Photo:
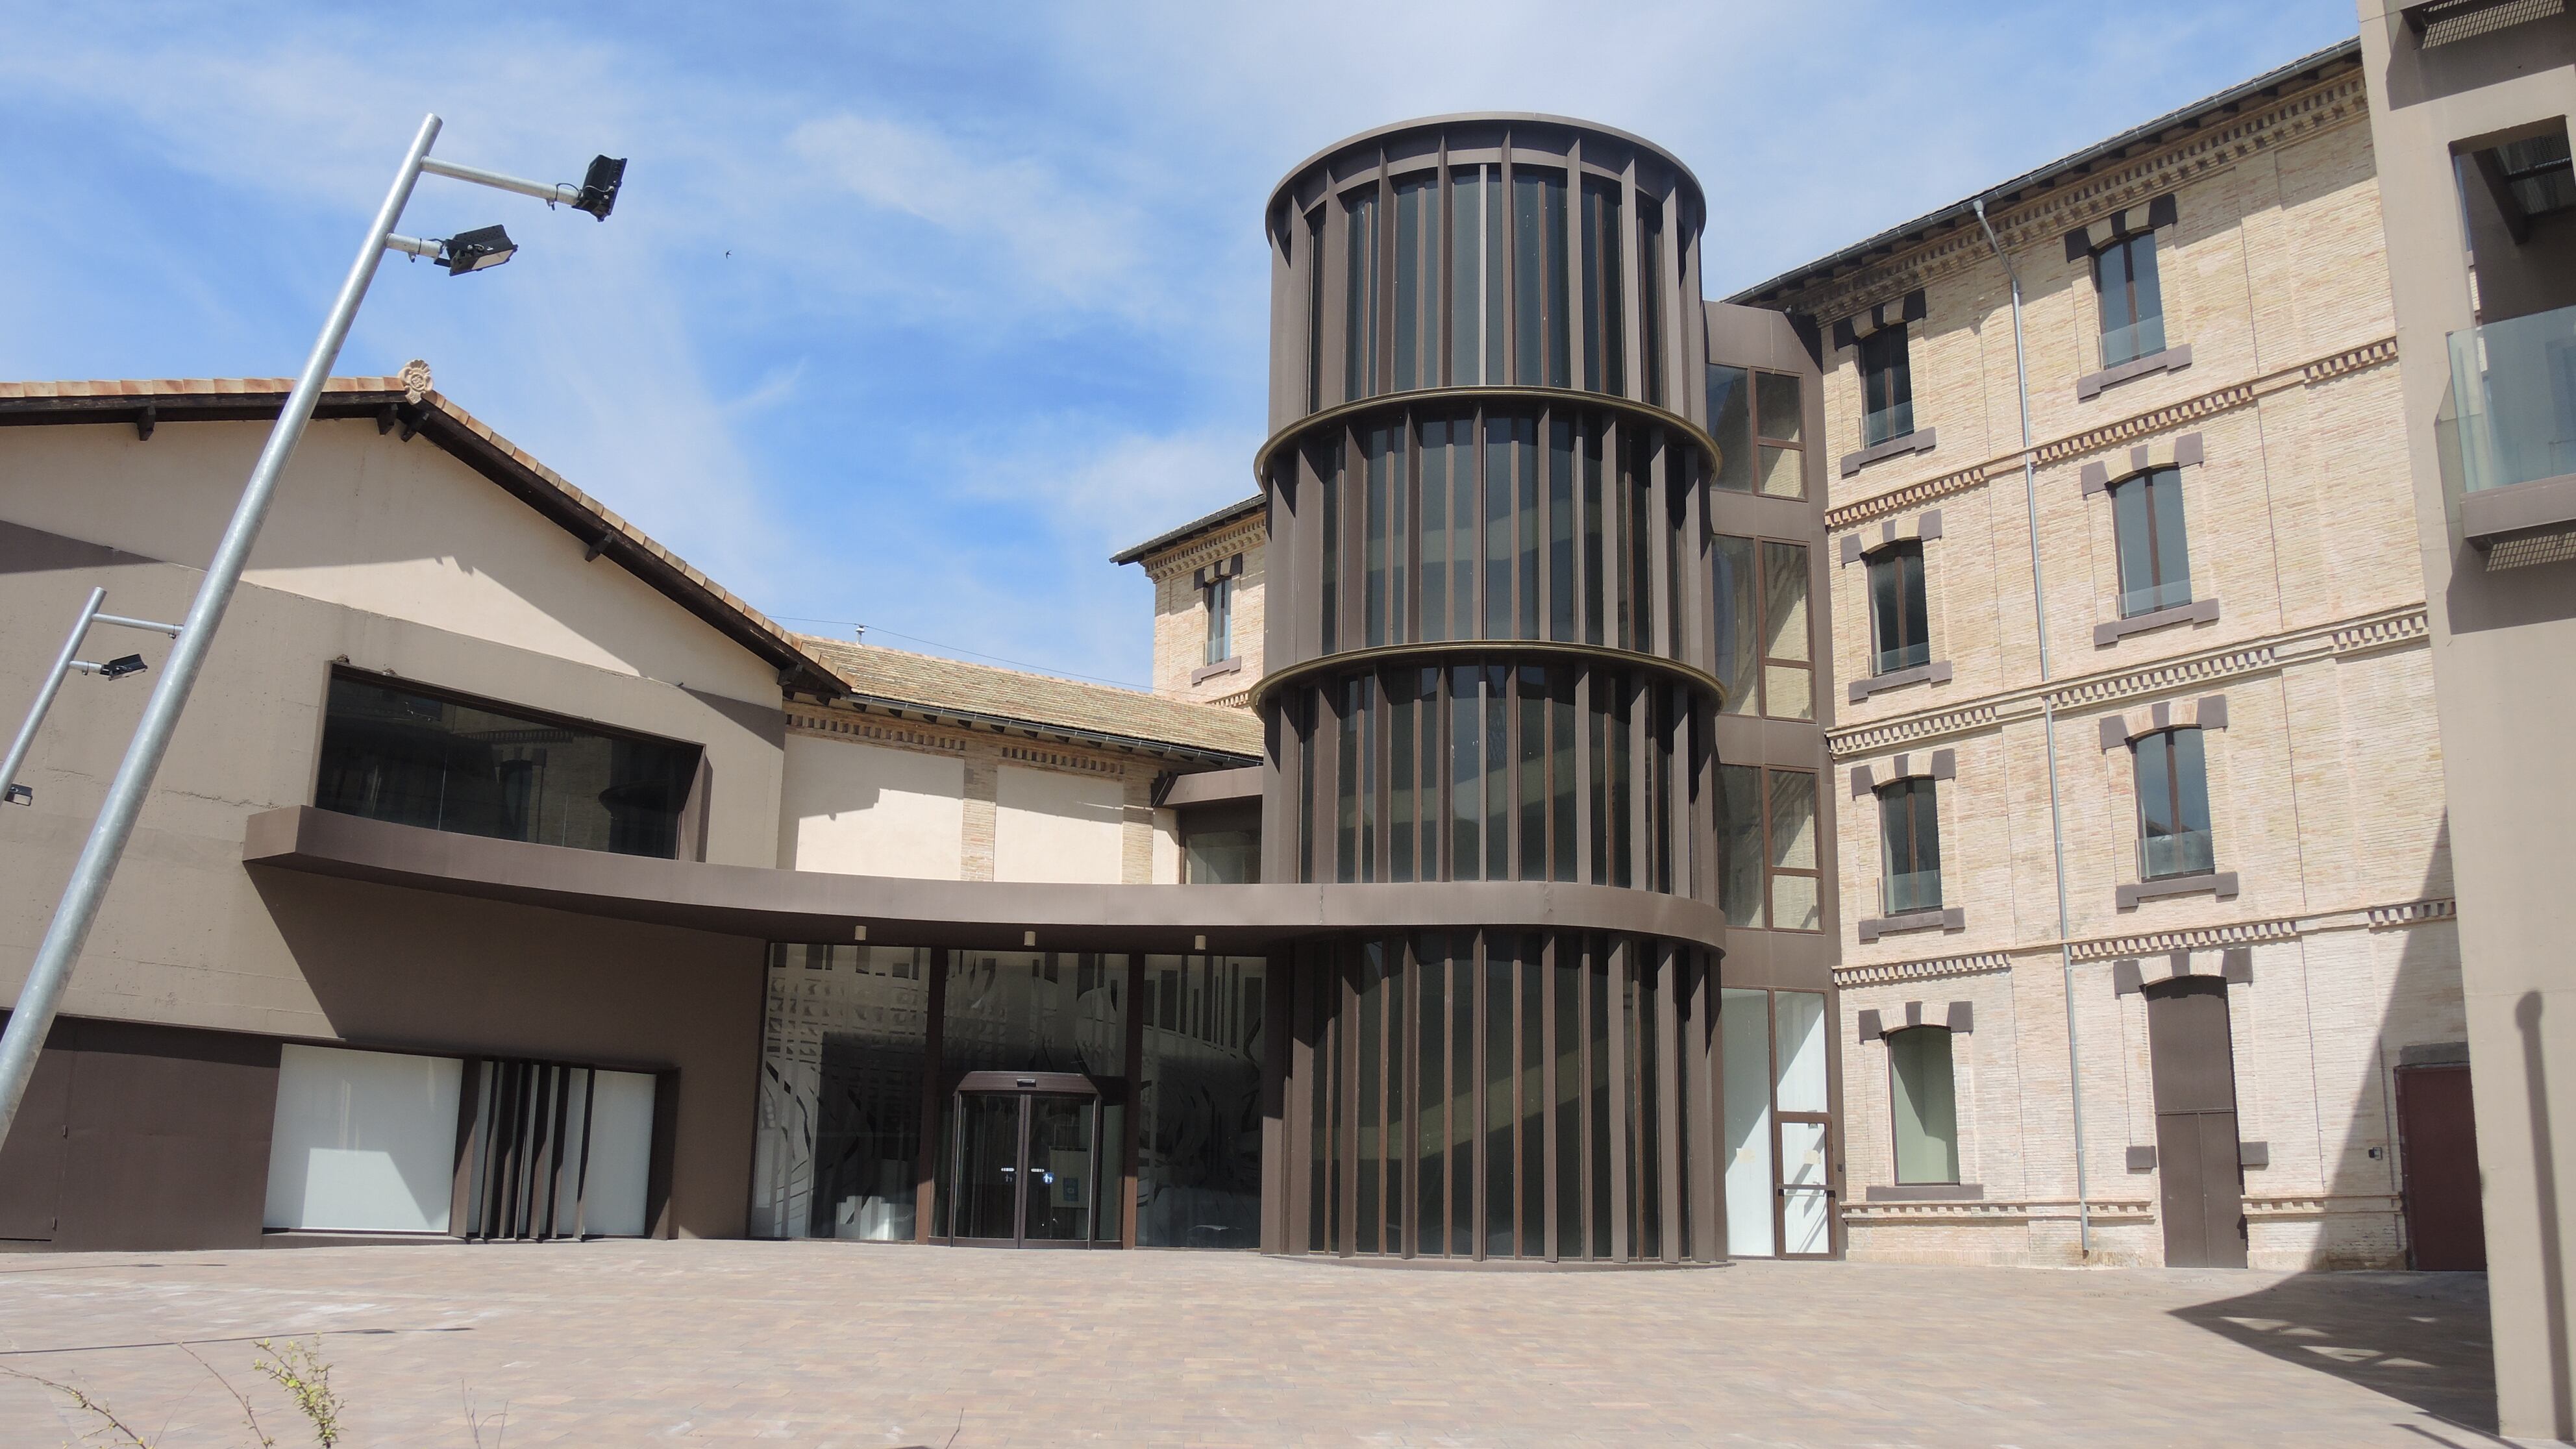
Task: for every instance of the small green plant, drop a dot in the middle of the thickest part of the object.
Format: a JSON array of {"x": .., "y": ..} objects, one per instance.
[
  {"x": 249, "y": 1415},
  {"x": 298, "y": 1368},
  {"x": 86, "y": 1403}
]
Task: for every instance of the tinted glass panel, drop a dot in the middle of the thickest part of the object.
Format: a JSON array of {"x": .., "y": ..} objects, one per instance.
[
  {"x": 1776, "y": 396},
  {"x": 400, "y": 755},
  {"x": 1925, "y": 1107},
  {"x": 1731, "y": 424},
  {"x": 1198, "y": 1136}
]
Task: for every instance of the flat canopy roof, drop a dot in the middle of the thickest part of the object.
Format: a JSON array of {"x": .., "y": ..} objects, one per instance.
[{"x": 800, "y": 905}]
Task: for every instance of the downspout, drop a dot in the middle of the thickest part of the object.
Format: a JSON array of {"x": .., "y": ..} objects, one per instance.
[{"x": 2048, "y": 726}]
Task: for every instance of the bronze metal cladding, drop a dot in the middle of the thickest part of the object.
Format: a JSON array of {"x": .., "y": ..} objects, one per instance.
[{"x": 1492, "y": 669}]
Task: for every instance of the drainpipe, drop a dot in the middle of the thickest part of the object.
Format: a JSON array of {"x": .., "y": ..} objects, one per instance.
[{"x": 2048, "y": 725}]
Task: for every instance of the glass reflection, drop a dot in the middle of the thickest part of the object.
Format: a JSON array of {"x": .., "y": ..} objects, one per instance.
[
  {"x": 839, "y": 1129},
  {"x": 1198, "y": 1135}
]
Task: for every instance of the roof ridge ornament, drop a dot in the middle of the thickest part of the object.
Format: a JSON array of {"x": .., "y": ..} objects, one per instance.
[{"x": 415, "y": 381}]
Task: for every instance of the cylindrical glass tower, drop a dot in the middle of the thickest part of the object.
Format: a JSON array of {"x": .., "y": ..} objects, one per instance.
[{"x": 1490, "y": 654}]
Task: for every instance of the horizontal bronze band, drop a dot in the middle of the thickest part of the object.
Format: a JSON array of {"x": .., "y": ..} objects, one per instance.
[
  {"x": 1438, "y": 398},
  {"x": 1602, "y": 655},
  {"x": 802, "y": 905}
]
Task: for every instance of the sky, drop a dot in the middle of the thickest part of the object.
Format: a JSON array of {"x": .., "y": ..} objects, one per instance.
[{"x": 911, "y": 315}]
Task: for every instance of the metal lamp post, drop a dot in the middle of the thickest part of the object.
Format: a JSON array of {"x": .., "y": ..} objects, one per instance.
[{"x": 78, "y": 910}]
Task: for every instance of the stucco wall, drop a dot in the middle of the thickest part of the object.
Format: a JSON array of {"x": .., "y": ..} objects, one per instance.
[
  {"x": 862, "y": 809},
  {"x": 1053, "y": 826}
]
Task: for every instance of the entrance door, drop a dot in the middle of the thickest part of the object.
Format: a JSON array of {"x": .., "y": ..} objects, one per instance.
[
  {"x": 2200, "y": 1181},
  {"x": 1806, "y": 1189},
  {"x": 2437, "y": 1146},
  {"x": 1025, "y": 1154}
]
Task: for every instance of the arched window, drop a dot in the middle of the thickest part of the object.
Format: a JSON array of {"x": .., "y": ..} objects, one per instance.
[{"x": 1924, "y": 1105}]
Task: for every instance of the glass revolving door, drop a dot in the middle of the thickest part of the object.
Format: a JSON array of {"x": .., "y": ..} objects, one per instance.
[{"x": 1025, "y": 1157}]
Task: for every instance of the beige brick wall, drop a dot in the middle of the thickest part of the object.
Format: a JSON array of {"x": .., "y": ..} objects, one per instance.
[
  {"x": 2325, "y": 786},
  {"x": 1180, "y": 613}
]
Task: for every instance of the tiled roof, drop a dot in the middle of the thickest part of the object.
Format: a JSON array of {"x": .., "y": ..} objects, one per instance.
[
  {"x": 1037, "y": 700},
  {"x": 410, "y": 400},
  {"x": 1225, "y": 515}
]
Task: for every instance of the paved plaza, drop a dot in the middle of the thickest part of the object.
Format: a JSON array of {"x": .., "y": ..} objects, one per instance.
[{"x": 870, "y": 1346}]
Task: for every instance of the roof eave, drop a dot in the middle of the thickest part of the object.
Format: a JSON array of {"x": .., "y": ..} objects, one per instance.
[
  {"x": 461, "y": 437},
  {"x": 1775, "y": 292},
  {"x": 1223, "y": 516}
]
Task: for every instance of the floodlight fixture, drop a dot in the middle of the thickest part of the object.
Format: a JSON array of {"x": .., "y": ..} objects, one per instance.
[
  {"x": 18, "y": 795},
  {"x": 477, "y": 250},
  {"x": 596, "y": 194},
  {"x": 599, "y": 188},
  {"x": 40, "y": 994}
]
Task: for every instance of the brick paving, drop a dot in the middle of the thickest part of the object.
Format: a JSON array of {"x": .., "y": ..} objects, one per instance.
[{"x": 874, "y": 1346}]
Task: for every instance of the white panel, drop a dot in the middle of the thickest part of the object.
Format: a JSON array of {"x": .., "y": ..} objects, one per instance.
[
  {"x": 1745, "y": 1024},
  {"x": 364, "y": 1141},
  {"x": 621, "y": 1150},
  {"x": 1057, "y": 827},
  {"x": 1805, "y": 1207},
  {"x": 1802, "y": 1051},
  {"x": 858, "y": 809}
]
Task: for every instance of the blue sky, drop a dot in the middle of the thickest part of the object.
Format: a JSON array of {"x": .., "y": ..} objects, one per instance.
[{"x": 913, "y": 314}]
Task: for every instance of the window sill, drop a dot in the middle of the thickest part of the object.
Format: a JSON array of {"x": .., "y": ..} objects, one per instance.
[
  {"x": 1222, "y": 666},
  {"x": 1918, "y": 441},
  {"x": 1936, "y": 672},
  {"x": 2198, "y": 611},
  {"x": 2172, "y": 359},
  {"x": 1953, "y": 919},
  {"x": 1927, "y": 1192},
  {"x": 2221, "y": 882}
]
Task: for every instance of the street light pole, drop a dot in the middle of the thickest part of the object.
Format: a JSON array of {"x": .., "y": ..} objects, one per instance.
[
  {"x": 464, "y": 252},
  {"x": 78, "y": 909}
]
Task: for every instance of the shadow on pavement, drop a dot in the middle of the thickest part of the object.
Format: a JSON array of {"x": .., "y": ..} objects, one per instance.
[{"x": 2417, "y": 1337}]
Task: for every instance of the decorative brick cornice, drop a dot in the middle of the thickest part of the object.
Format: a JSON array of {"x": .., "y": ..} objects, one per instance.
[
  {"x": 1984, "y": 963},
  {"x": 2311, "y": 373},
  {"x": 2193, "y": 938},
  {"x": 2403, "y": 626},
  {"x": 1899, "y": 1214},
  {"x": 2094, "y": 950},
  {"x": 1052, "y": 760},
  {"x": 2212, "y": 146},
  {"x": 851, "y": 725},
  {"x": 1243, "y": 535},
  {"x": 2413, "y": 913}
]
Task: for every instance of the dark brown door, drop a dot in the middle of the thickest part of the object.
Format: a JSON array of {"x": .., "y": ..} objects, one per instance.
[
  {"x": 31, "y": 1165},
  {"x": 2437, "y": 1148},
  {"x": 2199, "y": 1180}
]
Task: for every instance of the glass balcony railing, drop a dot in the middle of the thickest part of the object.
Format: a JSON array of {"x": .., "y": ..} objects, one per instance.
[
  {"x": 1902, "y": 657},
  {"x": 1913, "y": 890},
  {"x": 2153, "y": 597},
  {"x": 1893, "y": 421},
  {"x": 2513, "y": 384},
  {"x": 2128, "y": 344},
  {"x": 2184, "y": 852}
]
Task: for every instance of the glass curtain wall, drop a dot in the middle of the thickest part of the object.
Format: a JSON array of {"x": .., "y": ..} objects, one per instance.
[
  {"x": 839, "y": 1128},
  {"x": 397, "y": 753},
  {"x": 1198, "y": 1131},
  {"x": 1509, "y": 771},
  {"x": 1506, "y": 524},
  {"x": 1489, "y": 284},
  {"x": 1503, "y": 1095}
]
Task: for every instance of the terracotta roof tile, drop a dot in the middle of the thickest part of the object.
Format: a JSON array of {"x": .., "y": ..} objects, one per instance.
[{"x": 1036, "y": 699}]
